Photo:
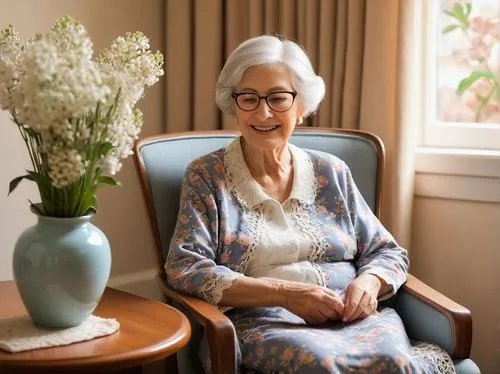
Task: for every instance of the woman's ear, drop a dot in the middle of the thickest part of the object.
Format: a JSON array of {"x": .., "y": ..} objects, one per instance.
[{"x": 300, "y": 118}]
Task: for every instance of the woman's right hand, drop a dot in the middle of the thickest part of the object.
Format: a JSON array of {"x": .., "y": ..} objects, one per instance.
[{"x": 314, "y": 304}]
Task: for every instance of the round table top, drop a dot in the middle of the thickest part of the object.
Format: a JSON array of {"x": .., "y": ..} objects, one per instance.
[{"x": 149, "y": 331}]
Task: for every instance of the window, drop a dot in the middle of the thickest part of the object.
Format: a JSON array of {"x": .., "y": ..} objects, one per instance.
[
  {"x": 462, "y": 68},
  {"x": 460, "y": 153}
]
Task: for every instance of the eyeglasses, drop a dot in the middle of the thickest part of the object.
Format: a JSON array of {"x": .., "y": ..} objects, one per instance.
[{"x": 276, "y": 101}]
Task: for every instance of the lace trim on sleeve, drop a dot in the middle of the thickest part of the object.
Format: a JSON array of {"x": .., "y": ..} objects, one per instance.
[
  {"x": 212, "y": 290},
  {"x": 388, "y": 280}
]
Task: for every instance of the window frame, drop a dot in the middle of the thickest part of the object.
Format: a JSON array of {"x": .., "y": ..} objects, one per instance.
[
  {"x": 437, "y": 134},
  {"x": 455, "y": 161}
]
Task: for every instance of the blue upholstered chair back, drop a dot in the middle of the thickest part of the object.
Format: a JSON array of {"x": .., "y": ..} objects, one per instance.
[{"x": 165, "y": 159}]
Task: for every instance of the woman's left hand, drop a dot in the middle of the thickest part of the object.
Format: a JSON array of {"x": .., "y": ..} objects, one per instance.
[{"x": 360, "y": 297}]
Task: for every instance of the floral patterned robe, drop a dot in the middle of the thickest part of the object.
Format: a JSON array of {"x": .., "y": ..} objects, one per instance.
[{"x": 221, "y": 225}]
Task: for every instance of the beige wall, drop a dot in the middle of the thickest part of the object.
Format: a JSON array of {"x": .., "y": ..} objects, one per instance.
[
  {"x": 455, "y": 243},
  {"x": 456, "y": 250},
  {"x": 121, "y": 216}
]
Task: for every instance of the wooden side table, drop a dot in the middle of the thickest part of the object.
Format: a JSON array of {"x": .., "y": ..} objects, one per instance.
[{"x": 149, "y": 331}]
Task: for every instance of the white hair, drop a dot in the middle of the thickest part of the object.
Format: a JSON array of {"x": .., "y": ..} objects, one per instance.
[{"x": 268, "y": 49}]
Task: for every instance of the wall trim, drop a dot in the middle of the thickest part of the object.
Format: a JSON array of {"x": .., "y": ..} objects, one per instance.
[
  {"x": 454, "y": 161},
  {"x": 141, "y": 283},
  {"x": 458, "y": 174},
  {"x": 129, "y": 278},
  {"x": 456, "y": 187}
]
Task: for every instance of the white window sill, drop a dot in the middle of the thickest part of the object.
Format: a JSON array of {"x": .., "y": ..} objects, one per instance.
[{"x": 463, "y": 174}]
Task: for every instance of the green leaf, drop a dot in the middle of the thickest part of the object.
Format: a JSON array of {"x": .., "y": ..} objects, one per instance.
[
  {"x": 458, "y": 10},
  {"x": 48, "y": 193},
  {"x": 468, "y": 11},
  {"x": 92, "y": 207},
  {"x": 88, "y": 200},
  {"x": 449, "y": 29},
  {"x": 103, "y": 149},
  {"x": 97, "y": 112},
  {"x": 103, "y": 179},
  {"x": 91, "y": 210},
  {"x": 496, "y": 93},
  {"x": 42, "y": 181},
  {"x": 35, "y": 208},
  {"x": 452, "y": 15},
  {"x": 14, "y": 182},
  {"x": 473, "y": 77},
  {"x": 484, "y": 100}
]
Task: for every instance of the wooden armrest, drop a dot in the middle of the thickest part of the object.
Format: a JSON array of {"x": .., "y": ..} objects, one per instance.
[
  {"x": 459, "y": 317},
  {"x": 220, "y": 330}
]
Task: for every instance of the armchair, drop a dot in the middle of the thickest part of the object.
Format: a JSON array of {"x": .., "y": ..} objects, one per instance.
[{"x": 160, "y": 163}]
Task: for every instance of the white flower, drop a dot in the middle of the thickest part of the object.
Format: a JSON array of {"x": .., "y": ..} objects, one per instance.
[
  {"x": 111, "y": 164},
  {"x": 11, "y": 45},
  {"x": 65, "y": 166},
  {"x": 128, "y": 67},
  {"x": 75, "y": 112},
  {"x": 60, "y": 81}
]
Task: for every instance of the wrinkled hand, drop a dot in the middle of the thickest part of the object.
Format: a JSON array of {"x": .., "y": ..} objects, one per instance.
[
  {"x": 314, "y": 304},
  {"x": 360, "y": 297}
]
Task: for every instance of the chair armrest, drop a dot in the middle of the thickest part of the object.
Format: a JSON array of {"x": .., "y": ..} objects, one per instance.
[
  {"x": 219, "y": 328},
  {"x": 428, "y": 315}
]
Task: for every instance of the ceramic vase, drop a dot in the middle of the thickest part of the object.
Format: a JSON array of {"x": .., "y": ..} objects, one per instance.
[{"x": 61, "y": 268}]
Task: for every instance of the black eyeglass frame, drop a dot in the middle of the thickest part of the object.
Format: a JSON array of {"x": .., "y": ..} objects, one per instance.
[{"x": 236, "y": 95}]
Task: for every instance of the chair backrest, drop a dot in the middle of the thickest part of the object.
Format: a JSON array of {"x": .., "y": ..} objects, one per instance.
[{"x": 161, "y": 161}]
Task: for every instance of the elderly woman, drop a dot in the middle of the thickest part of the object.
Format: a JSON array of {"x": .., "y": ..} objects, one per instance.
[{"x": 281, "y": 239}]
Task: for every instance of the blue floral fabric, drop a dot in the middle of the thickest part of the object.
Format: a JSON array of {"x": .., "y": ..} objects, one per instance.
[
  {"x": 275, "y": 340},
  {"x": 218, "y": 228}
]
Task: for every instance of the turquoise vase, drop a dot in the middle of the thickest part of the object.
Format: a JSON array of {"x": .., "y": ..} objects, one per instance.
[{"x": 61, "y": 268}]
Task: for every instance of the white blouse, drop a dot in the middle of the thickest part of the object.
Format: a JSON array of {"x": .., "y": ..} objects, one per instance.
[{"x": 283, "y": 247}]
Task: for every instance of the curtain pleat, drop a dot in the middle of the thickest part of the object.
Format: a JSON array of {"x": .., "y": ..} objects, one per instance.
[
  {"x": 359, "y": 47},
  {"x": 390, "y": 101},
  {"x": 237, "y": 21},
  {"x": 178, "y": 61},
  {"x": 286, "y": 18},
  {"x": 326, "y": 55},
  {"x": 207, "y": 62},
  {"x": 256, "y": 19},
  {"x": 202, "y": 33},
  {"x": 353, "y": 63}
]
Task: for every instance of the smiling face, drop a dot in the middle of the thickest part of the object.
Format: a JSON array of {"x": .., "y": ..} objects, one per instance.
[{"x": 263, "y": 128}]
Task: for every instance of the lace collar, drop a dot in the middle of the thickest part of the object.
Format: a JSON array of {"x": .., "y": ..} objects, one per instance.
[{"x": 250, "y": 193}]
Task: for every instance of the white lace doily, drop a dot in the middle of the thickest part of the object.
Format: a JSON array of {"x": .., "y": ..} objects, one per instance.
[
  {"x": 19, "y": 334},
  {"x": 436, "y": 355}
]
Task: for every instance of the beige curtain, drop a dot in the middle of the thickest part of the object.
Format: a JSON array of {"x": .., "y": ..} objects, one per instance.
[
  {"x": 201, "y": 33},
  {"x": 360, "y": 48},
  {"x": 390, "y": 101}
]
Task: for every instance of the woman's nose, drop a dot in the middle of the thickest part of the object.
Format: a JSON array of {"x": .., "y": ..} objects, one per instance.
[{"x": 263, "y": 111}]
